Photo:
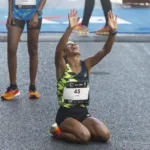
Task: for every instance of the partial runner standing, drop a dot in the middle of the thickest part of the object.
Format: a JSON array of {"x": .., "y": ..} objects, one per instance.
[
  {"x": 88, "y": 9},
  {"x": 20, "y": 13}
]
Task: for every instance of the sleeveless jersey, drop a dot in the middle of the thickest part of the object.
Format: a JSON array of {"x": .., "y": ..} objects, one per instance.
[{"x": 73, "y": 89}]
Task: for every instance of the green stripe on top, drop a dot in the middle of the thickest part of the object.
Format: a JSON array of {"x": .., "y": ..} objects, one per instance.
[{"x": 62, "y": 83}]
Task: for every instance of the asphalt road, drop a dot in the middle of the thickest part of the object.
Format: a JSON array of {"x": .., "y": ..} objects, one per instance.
[{"x": 119, "y": 96}]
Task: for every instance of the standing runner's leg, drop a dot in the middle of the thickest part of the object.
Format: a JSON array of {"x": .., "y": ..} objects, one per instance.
[
  {"x": 13, "y": 37},
  {"x": 33, "y": 36},
  {"x": 83, "y": 27},
  {"x": 88, "y": 9},
  {"x": 106, "y": 5}
]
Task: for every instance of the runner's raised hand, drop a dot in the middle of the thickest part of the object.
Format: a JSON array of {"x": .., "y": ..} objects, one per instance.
[
  {"x": 112, "y": 21},
  {"x": 73, "y": 19}
]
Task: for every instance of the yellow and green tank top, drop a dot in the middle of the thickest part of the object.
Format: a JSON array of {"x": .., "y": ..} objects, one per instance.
[{"x": 73, "y": 89}]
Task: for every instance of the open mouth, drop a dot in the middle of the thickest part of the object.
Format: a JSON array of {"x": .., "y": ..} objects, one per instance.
[{"x": 74, "y": 48}]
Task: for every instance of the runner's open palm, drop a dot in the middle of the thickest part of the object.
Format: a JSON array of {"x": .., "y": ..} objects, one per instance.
[
  {"x": 73, "y": 19},
  {"x": 112, "y": 21}
]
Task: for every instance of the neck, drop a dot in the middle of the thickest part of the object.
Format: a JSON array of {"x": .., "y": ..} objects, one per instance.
[{"x": 74, "y": 61}]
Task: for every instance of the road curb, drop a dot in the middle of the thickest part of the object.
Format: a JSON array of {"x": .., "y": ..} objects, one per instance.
[
  {"x": 3, "y": 37},
  {"x": 55, "y": 37}
]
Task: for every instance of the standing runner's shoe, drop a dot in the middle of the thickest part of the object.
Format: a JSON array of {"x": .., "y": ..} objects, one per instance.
[
  {"x": 55, "y": 130},
  {"x": 10, "y": 94},
  {"x": 81, "y": 30},
  {"x": 34, "y": 94},
  {"x": 103, "y": 31}
]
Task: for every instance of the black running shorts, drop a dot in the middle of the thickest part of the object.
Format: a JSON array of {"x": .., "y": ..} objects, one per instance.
[
  {"x": 21, "y": 24},
  {"x": 78, "y": 113}
]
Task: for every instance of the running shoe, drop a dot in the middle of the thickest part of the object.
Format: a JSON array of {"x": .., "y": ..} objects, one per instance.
[
  {"x": 55, "y": 130},
  {"x": 10, "y": 94},
  {"x": 34, "y": 94},
  {"x": 81, "y": 30},
  {"x": 103, "y": 31}
]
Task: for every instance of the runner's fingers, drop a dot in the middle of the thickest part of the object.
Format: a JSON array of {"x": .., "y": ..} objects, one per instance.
[
  {"x": 116, "y": 17},
  {"x": 30, "y": 22},
  {"x": 108, "y": 14},
  {"x": 75, "y": 13},
  {"x": 71, "y": 13},
  {"x": 13, "y": 20},
  {"x": 8, "y": 25},
  {"x": 34, "y": 24},
  {"x": 112, "y": 15}
]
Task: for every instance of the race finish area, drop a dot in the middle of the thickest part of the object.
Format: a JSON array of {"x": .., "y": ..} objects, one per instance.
[{"x": 130, "y": 20}]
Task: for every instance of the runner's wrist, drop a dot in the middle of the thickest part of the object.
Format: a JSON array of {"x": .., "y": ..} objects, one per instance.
[
  {"x": 69, "y": 28},
  {"x": 38, "y": 12},
  {"x": 113, "y": 32}
]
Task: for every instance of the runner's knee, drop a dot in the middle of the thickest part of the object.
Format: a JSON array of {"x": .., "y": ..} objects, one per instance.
[
  {"x": 106, "y": 135},
  {"x": 12, "y": 48},
  {"x": 68, "y": 126},
  {"x": 85, "y": 136}
]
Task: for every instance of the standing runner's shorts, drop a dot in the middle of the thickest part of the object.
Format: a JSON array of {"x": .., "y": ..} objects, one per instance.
[
  {"x": 21, "y": 24},
  {"x": 78, "y": 113}
]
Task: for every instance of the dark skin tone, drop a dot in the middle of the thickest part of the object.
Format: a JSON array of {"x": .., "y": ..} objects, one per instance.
[
  {"x": 73, "y": 130},
  {"x": 33, "y": 34}
]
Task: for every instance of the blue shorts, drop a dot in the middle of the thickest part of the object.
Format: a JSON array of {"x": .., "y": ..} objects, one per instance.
[{"x": 25, "y": 14}]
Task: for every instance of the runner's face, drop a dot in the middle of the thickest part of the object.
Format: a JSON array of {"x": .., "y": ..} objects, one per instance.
[{"x": 72, "y": 49}]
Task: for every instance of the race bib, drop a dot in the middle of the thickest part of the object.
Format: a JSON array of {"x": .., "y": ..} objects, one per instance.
[
  {"x": 76, "y": 93},
  {"x": 25, "y": 3}
]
